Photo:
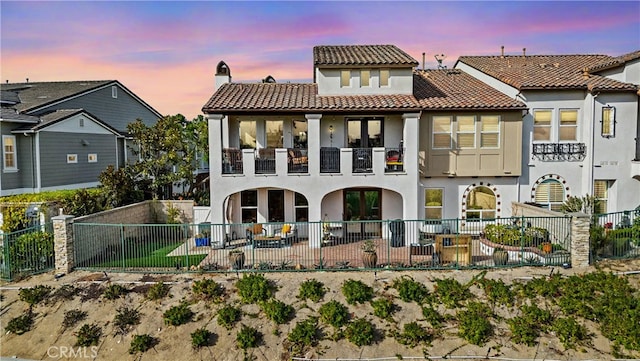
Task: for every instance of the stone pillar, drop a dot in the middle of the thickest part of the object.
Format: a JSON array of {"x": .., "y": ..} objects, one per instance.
[
  {"x": 580, "y": 224},
  {"x": 63, "y": 243}
]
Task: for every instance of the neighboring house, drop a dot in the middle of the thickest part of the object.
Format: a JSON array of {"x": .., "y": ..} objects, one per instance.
[
  {"x": 371, "y": 138},
  {"x": 62, "y": 135},
  {"x": 581, "y": 126}
]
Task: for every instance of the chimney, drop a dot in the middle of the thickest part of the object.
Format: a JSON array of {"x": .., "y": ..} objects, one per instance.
[
  {"x": 524, "y": 52},
  {"x": 423, "y": 54},
  {"x": 502, "y": 51},
  {"x": 585, "y": 73},
  {"x": 223, "y": 75},
  {"x": 27, "y": 80}
]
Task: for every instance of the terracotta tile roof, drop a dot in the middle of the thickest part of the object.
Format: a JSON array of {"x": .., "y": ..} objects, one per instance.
[
  {"x": 455, "y": 89},
  {"x": 361, "y": 55},
  {"x": 615, "y": 62},
  {"x": 546, "y": 71}
]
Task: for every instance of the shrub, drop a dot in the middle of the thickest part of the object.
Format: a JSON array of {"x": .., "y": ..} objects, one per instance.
[
  {"x": 522, "y": 331},
  {"x": 356, "y": 292},
  {"x": 410, "y": 290},
  {"x": 228, "y": 316},
  {"x": 201, "y": 337},
  {"x": 208, "y": 289},
  {"x": 254, "y": 288},
  {"x": 497, "y": 291},
  {"x": 473, "y": 323},
  {"x": 570, "y": 332},
  {"x": 360, "y": 332},
  {"x": 383, "y": 308},
  {"x": 414, "y": 335},
  {"x": 305, "y": 334},
  {"x": 88, "y": 335},
  {"x": 34, "y": 295},
  {"x": 311, "y": 289},
  {"x": 65, "y": 293},
  {"x": 432, "y": 316},
  {"x": 157, "y": 291},
  {"x": 114, "y": 291},
  {"x": 334, "y": 313},
  {"x": 178, "y": 315},
  {"x": 20, "y": 324},
  {"x": 72, "y": 317},
  {"x": 277, "y": 311},
  {"x": 126, "y": 317},
  {"x": 248, "y": 337},
  {"x": 142, "y": 343},
  {"x": 32, "y": 251},
  {"x": 451, "y": 292}
]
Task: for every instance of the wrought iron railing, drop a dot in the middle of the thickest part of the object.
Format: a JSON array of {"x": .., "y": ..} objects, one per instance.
[
  {"x": 232, "y": 161},
  {"x": 27, "y": 252},
  {"x": 297, "y": 160},
  {"x": 329, "y": 160},
  {"x": 362, "y": 160},
  {"x": 266, "y": 161},
  {"x": 394, "y": 161},
  {"x": 559, "y": 151}
]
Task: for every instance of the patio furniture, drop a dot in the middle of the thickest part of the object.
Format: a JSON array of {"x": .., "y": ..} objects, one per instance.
[
  {"x": 288, "y": 233},
  {"x": 454, "y": 248}
]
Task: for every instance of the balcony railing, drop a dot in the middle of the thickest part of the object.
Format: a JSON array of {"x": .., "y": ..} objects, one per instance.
[
  {"x": 559, "y": 151},
  {"x": 362, "y": 160},
  {"x": 329, "y": 160},
  {"x": 231, "y": 161},
  {"x": 297, "y": 160},
  {"x": 266, "y": 161},
  {"x": 394, "y": 161}
]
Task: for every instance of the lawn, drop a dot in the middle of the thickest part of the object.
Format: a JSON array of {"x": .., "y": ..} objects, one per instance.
[{"x": 152, "y": 254}]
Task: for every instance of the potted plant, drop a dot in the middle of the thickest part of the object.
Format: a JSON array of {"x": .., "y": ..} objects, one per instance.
[
  {"x": 236, "y": 259},
  {"x": 369, "y": 257},
  {"x": 500, "y": 256},
  {"x": 546, "y": 247},
  {"x": 202, "y": 239}
]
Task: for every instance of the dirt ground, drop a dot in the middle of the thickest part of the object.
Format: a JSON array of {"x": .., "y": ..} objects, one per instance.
[{"x": 47, "y": 337}]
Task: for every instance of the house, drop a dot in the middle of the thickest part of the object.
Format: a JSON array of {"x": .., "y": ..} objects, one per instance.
[
  {"x": 62, "y": 135},
  {"x": 581, "y": 124},
  {"x": 372, "y": 138}
]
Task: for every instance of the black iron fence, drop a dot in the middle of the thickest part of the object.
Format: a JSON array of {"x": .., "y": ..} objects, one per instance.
[{"x": 615, "y": 235}]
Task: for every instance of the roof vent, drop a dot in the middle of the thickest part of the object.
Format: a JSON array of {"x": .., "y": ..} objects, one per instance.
[
  {"x": 502, "y": 51},
  {"x": 524, "y": 52}
]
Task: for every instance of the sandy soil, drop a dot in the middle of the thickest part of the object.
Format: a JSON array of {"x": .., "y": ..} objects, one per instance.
[{"x": 175, "y": 342}]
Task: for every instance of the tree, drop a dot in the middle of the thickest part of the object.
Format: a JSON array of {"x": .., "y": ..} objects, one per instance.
[{"x": 120, "y": 187}]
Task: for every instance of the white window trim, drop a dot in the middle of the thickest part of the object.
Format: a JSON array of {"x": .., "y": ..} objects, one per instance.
[
  {"x": 552, "y": 134},
  {"x": 450, "y": 133},
  {"x": 380, "y": 78},
  {"x": 441, "y": 207},
  {"x": 490, "y": 132},
  {"x": 114, "y": 92},
  {"x": 560, "y": 126},
  {"x": 72, "y": 158},
  {"x": 350, "y": 78},
  {"x": 4, "y": 154},
  {"x": 369, "y": 72},
  {"x": 94, "y": 156},
  {"x": 474, "y": 132}
]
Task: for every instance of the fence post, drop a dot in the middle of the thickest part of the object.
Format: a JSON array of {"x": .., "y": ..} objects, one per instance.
[
  {"x": 63, "y": 243},
  {"x": 580, "y": 224}
]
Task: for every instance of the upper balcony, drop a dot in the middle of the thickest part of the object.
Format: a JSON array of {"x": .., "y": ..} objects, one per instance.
[
  {"x": 331, "y": 160},
  {"x": 559, "y": 151}
]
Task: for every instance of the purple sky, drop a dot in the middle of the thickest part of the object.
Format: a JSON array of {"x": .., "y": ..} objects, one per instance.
[{"x": 166, "y": 52}]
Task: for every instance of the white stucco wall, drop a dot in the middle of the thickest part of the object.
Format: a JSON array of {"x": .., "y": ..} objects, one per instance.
[{"x": 400, "y": 82}]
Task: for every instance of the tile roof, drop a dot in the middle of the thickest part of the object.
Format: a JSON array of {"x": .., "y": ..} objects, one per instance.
[
  {"x": 615, "y": 62},
  {"x": 33, "y": 95},
  {"x": 546, "y": 71},
  {"x": 361, "y": 55},
  {"x": 455, "y": 89},
  {"x": 433, "y": 89}
]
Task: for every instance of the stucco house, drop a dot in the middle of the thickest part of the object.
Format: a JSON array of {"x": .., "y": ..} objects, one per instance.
[
  {"x": 581, "y": 132},
  {"x": 371, "y": 138},
  {"x": 62, "y": 135}
]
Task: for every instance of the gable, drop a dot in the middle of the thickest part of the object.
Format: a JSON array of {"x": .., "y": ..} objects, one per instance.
[{"x": 79, "y": 123}]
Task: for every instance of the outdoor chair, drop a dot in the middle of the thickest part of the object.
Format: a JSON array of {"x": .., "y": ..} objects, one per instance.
[{"x": 288, "y": 233}]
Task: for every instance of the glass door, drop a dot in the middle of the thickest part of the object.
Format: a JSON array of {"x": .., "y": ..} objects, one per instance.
[
  {"x": 362, "y": 135},
  {"x": 276, "y": 205},
  {"x": 361, "y": 206}
]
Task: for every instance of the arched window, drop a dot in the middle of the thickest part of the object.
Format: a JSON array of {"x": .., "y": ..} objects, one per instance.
[
  {"x": 481, "y": 204},
  {"x": 550, "y": 194}
]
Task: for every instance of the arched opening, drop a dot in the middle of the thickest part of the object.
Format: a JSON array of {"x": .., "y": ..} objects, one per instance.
[
  {"x": 550, "y": 194},
  {"x": 481, "y": 204},
  {"x": 223, "y": 69}
]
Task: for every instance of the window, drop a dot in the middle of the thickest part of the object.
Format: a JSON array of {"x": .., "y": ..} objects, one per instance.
[
  {"x": 433, "y": 203},
  {"x": 247, "y": 134},
  {"x": 9, "y": 156},
  {"x": 542, "y": 125},
  {"x": 72, "y": 158},
  {"x": 601, "y": 193},
  {"x": 481, "y": 204},
  {"x": 92, "y": 158},
  {"x": 81, "y": 122},
  {"x": 466, "y": 131},
  {"x": 490, "y": 131},
  {"x": 550, "y": 194},
  {"x": 568, "y": 125},
  {"x": 249, "y": 206},
  {"x": 441, "y": 132},
  {"x": 114, "y": 91},
  {"x": 608, "y": 122},
  {"x": 365, "y": 75},
  {"x": 384, "y": 77},
  {"x": 274, "y": 133},
  {"x": 345, "y": 78},
  {"x": 301, "y": 208},
  {"x": 300, "y": 130}
]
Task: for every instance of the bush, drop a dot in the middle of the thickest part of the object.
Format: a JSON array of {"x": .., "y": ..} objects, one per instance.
[
  {"x": 432, "y": 316},
  {"x": 125, "y": 318},
  {"x": 570, "y": 332},
  {"x": 20, "y": 324},
  {"x": 65, "y": 293},
  {"x": 451, "y": 292},
  {"x": 473, "y": 323},
  {"x": 356, "y": 292},
  {"x": 410, "y": 290},
  {"x": 360, "y": 332},
  {"x": 178, "y": 315},
  {"x": 383, "y": 308},
  {"x": 157, "y": 291},
  {"x": 311, "y": 289},
  {"x": 334, "y": 313},
  {"x": 497, "y": 291},
  {"x": 31, "y": 252},
  {"x": 72, "y": 317},
  {"x": 88, "y": 335},
  {"x": 414, "y": 335},
  {"x": 34, "y": 295},
  {"x": 208, "y": 289},
  {"x": 142, "y": 343},
  {"x": 254, "y": 288},
  {"x": 228, "y": 316},
  {"x": 277, "y": 311},
  {"x": 201, "y": 337},
  {"x": 248, "y": 337},
  {"x": 305, "y": 334},
  {"x": 114, "y": 291}
]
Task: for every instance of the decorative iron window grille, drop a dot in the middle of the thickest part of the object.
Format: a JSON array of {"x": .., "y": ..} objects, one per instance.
[{"x": 573, "y": 152}]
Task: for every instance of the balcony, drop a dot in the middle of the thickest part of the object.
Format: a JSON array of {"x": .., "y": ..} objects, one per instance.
[
  {"x": 553, "y": 152},
  {"x": 231, "y": 161}
]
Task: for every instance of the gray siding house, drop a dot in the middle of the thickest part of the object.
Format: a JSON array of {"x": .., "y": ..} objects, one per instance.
[{"x": 61, "y": 135}]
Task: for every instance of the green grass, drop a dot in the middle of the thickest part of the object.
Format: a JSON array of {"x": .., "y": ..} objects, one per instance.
[{"x": 152, "y": 254}]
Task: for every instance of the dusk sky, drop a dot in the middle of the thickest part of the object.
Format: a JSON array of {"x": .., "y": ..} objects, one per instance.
[{"x": 166, "y": 52}]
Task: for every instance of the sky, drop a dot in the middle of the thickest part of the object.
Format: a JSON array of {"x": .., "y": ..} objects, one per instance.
[{"x": 166, "y": 52}]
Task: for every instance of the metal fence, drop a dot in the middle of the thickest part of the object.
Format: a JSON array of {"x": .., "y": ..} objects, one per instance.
[
  {"x": 615, "y": 235},
  {"x": 329, "y": 245},
  {"x": 26, "y": 252}
]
